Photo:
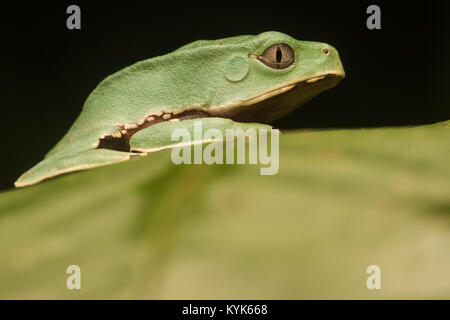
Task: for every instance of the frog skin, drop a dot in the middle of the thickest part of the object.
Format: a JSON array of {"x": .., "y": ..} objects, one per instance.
[{"x": 237, "y": 82}]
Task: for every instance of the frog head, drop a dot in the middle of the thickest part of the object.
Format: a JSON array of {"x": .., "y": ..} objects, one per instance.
[{"x": 265, "y": 77}]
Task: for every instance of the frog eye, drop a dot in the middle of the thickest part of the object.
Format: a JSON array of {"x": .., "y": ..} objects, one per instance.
[{"x": 278, "y": 56}]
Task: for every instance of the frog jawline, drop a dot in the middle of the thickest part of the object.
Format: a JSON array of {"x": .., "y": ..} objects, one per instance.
[{"x": 278, "y": 102}]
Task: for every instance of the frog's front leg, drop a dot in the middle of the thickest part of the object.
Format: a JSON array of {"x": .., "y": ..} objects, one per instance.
[{"x": 172, "y": 134}]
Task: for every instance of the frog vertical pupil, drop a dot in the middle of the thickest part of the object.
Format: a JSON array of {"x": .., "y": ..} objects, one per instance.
[{"x": 279, "y": 54}]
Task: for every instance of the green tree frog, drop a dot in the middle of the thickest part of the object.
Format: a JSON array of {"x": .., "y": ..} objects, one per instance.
[{"x": 234, "y": 82}]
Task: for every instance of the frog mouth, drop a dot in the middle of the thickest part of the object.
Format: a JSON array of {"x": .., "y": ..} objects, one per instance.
[{"x": 262, "y": 108}]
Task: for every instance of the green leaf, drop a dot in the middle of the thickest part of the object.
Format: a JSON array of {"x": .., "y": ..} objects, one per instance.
[{"x": 341, "y": 201}]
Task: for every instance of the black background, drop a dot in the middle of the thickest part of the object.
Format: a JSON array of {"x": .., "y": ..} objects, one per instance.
[{"x": 395, "y": 76}]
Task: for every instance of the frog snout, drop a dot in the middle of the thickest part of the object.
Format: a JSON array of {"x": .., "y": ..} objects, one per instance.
[{"x": 332, "y": 58}]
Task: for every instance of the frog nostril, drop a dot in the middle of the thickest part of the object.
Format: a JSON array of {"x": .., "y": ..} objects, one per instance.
[{"x": 326, "y": 51}]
